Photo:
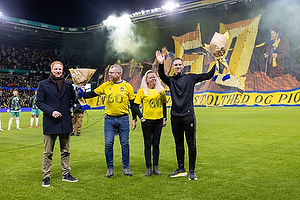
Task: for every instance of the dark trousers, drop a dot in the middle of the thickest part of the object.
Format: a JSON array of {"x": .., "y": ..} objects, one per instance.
[
  {"x": 152, "y": 132},
  {"x": 180, "y": 126}
]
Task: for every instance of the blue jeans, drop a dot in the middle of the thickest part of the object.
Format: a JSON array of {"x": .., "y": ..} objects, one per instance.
[{"x": 112, "y": 127}]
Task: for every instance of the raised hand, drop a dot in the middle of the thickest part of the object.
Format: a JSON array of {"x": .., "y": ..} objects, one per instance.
[{"x": 159, "y": 57}]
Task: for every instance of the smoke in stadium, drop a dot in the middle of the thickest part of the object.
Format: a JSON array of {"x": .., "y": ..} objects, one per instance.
[
  {"x": 123, "y": 42},
  {"x": 283, "y": 13}
]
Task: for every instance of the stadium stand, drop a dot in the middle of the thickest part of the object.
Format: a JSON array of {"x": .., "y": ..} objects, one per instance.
[{"x": 28, "y": 48}]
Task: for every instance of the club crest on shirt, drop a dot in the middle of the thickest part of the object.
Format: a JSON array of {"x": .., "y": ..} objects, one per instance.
[{"x": 122, "y": 89}]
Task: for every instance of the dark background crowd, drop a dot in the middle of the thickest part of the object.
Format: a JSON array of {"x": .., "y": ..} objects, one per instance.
[{"x": 22, "y": 68}]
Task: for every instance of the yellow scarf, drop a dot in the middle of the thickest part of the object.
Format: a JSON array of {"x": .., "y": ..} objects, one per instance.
[
  {"x": 275, "y": 47},
  {"x": 223, "y": 61}
]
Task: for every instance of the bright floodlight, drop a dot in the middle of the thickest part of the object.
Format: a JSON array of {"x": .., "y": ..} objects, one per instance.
[
  {"x": 170, "y": 6},
  {"x": 1, "y": 14}
]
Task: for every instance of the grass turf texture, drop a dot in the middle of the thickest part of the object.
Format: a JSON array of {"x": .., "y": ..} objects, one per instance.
[{"x": 243, "y": 153}]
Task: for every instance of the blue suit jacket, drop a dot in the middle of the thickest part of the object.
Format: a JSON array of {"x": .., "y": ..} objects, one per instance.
[{"x": 48, "y": 100}]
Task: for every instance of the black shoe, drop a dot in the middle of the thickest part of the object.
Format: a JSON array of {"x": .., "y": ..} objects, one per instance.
[
  {"x": 46, "y": 182},
  {"x": 110, "y": 173},
  {"x": 155, "y": 171},
  {"x": 78, "y": 134},
  {"x": 72, "y": 134},
  {"x": 148, "y": 172},
  {"x": 178, "y": 172},
  {"x": 69, "y": 178},
  {"x": 192, "y": 175}
]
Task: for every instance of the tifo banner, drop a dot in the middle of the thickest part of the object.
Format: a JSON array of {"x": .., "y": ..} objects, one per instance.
[
  {"x": 277, "y": 98},
  {"x": 250, "y": 98},
  {"x": 261, "y": 73},
  {"x": 96, "y": 102}
]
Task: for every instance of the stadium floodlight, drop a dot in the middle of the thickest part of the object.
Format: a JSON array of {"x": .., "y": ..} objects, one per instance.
[
  {"x": 170, "y": 6},
  {"x": 1, "y": 14}
]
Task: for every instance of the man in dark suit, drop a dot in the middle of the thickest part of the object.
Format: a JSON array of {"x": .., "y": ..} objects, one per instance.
[{"x": 54, "y": 98}]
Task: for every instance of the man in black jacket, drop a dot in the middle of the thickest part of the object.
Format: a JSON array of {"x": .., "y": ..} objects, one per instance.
[
  {"x": 182, "y": 112},
  {"x": 54, "y": 98}
]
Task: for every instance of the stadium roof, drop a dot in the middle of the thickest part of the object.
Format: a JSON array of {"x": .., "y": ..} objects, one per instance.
[{"x": 20, "y": 32}]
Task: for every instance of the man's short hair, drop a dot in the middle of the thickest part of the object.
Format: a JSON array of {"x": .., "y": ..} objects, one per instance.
[
  {"x": 177, "y": 59},
  {"x": 117, "y": 67},
  {"x": 276, "y": 29},
  {"x": 56, "y": 62}
]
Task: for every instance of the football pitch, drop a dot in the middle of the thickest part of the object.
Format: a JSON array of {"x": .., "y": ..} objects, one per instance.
[{"x": 242, "y": 153}]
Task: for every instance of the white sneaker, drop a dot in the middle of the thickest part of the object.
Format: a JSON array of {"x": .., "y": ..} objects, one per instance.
[{"x": 1, "y": 129}]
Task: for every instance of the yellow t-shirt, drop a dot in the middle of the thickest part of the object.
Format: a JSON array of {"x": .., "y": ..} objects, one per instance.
[
  {"x": 117, "y": 96},
  {"x": 152, "y": 104}
]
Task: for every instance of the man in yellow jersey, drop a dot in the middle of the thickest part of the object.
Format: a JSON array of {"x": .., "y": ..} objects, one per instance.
[{"x": 118, "y": 94}]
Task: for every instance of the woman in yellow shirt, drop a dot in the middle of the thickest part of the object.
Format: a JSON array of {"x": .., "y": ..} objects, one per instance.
[{"x": 152, "y": 97}]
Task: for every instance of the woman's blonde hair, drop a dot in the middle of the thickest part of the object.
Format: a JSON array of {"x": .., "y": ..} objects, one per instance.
[{"x": 159, "y": 88}]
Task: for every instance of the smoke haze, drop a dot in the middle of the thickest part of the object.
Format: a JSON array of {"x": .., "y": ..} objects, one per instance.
[
  {"x": 283, "y": 13},
  {"x": 123, "y": 43}
]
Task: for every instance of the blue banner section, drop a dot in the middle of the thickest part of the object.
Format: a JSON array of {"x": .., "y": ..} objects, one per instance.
[
  {"x": 29, "y": 109},
  {"x": 22, "y": 110},
  {"x": 19, "y": 88}
]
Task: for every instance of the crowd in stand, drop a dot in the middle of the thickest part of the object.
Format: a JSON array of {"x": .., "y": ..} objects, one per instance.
[
  {"x": 24, "y": 81},
  {"x": 24, "y": 58},
  {"x": 37, "y": 62},
  {"x": 24, "y": 94}
]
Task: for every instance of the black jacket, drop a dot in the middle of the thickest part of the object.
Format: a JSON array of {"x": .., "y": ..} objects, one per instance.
[
  {"x": 182, "y": 89},
  {"x": 48, "y": 100}
]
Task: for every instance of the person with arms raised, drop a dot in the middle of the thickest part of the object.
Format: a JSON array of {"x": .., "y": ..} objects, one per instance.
[{"x": 183, "y": 120}]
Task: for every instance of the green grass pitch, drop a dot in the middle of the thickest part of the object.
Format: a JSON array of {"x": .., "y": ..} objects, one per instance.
[{"x": 242, "y": 153}]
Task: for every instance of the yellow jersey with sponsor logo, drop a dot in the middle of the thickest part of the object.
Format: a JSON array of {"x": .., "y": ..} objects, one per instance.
[
  {"x": 117, "y": 96},
  {"x": 152, "y": 103}
]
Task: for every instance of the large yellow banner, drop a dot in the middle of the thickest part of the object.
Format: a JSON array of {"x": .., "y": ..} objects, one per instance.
[
  {"x": 277, "y": 98},
  {"x": 219, "y": 99}
]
